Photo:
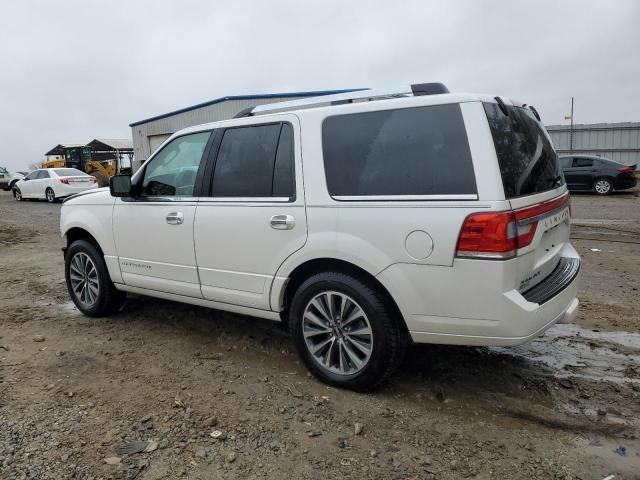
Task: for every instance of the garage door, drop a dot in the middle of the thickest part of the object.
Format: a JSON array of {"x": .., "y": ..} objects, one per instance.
[{"x": 156, "y": 140}]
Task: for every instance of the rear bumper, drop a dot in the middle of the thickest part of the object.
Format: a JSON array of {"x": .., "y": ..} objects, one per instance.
[
  {"x": 473, "y": 303},
  {"x": 624, "y": 182}
]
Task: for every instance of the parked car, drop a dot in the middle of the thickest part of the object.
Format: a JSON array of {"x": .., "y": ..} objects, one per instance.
[
  {"x": 598, "y": 174},
  {"x": 8, "y": 180},
  {"x": 362, "y": 221},
  {"x": 53, "y": 183}
]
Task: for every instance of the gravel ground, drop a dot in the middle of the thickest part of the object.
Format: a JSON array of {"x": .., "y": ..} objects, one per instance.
[{"x": 216, "y": 395}]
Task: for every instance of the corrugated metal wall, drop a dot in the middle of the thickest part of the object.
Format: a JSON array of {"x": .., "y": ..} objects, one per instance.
[
  {"x": 617, "y": 141},
  {"x": 170, "y": 125}
]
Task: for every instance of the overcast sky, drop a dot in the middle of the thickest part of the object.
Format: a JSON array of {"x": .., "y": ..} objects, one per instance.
[{"x": 76, "y": 70}]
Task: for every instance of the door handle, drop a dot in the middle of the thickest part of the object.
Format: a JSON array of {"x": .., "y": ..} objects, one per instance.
[
  {"x": 283, "y": 222},
  {"x": 175, "y": 218}
]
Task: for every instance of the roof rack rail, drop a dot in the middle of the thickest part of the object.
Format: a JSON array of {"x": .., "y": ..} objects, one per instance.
[{"x": 348, "y": 97}]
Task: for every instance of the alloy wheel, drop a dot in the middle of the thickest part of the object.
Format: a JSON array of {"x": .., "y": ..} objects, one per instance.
[
  {"x": 84, "y": 279},
  {"x": 18, "y": 194},
  {"x": 602, "y": 186},
  {"x": 50, "y": 196},
  {"x": 337, "y": 333}
]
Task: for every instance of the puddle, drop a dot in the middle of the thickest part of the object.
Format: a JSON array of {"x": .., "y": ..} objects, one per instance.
[{"x": 572, "y": 351}]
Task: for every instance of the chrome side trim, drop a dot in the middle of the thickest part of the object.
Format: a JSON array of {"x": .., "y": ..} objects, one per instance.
[{"x": 386, "y": 198}]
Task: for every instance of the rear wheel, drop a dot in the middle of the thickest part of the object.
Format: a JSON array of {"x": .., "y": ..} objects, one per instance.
[
  {"x": 17, "y": 194},
  {"x": 346, "y": 332},
  {"x": 602, "y": 186},
  {"x": 50, "y": 195},
  {"x": 88, "y": 281}
]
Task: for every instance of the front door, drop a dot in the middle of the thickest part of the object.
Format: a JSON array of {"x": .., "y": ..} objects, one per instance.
[
  {"x": 153, "y": 231},
  {"x": 28, "y": 185},
  {"x": 254, "y": 215}
]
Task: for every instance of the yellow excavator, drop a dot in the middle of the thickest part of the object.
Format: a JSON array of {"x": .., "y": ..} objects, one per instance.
[{"x": 100, "y": 164}]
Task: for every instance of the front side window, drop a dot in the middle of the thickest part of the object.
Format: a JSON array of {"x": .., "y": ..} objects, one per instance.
[
  {"x": 172, "y": 172},
  {"x": 565, "y": 162},
  {"x": 32, "y": 175},
  {"x": 411, "y": 151},
  {"x": 255, "y": 161}
]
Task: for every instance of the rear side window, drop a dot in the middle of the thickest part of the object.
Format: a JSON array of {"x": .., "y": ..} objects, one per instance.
[
  {"x": 582, "y": 162},
  {"x": 42, "y": 174},
  {"x": 412, "y": 151},
  {"x": 255, "y": 161},
  {"x": 528, "y": 162}
]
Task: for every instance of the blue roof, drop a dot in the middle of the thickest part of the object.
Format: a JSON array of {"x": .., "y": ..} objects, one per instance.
[{"x": 245, "y": 97}]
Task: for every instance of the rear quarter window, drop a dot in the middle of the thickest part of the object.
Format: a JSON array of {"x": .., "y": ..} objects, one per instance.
[
  {"x": 528, "y": 161},
  {"x": 413, "y": 151}
]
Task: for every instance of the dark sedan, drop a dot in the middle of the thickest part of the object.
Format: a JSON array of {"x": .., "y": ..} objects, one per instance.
[{"x": 600, "y": 175}]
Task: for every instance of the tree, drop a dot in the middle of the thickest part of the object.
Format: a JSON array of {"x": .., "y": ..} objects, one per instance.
[{"x": 34, "y": 165}]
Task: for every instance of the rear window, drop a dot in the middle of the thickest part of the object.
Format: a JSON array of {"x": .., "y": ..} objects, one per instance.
[
  {"x": 528, "y": 162},
  {"x": 69, "y": 172},
  {"x": 411, "y": 151}
]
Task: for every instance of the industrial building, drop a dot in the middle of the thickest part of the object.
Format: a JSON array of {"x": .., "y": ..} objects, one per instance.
[
  {"x": 150, "y": 133},
  {"x": 616, "y": 141}
]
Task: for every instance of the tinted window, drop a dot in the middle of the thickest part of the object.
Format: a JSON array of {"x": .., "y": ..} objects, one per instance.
[
  {"x": 413, "y": 151},
  {"x": 69, "y": 172},
  {"x": 528, "y": 162},
  {"x": 565, "y": 162},
  {"x": 583, "y": 162},
  {"x": 172, "y": 172},
  {"x": 245, "y": 162},
  {"x": 32, "y": 175},
  {"x": 283, "y": 180},
  {"x": 42, "y": 174}
]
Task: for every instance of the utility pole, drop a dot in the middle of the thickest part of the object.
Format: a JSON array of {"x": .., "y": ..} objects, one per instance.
[{"x": 571, "y": 130}]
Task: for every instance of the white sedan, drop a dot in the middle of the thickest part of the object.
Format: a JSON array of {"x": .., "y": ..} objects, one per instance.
[{"x": 53, "y": 183}]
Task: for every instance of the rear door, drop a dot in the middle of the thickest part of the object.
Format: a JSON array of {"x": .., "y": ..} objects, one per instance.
[
  {"x": 583, "y": 172},
  {"x": 41, "y": 183},
  {"x": 536, "y": 189},
  {"x": 254, "y": 215}
]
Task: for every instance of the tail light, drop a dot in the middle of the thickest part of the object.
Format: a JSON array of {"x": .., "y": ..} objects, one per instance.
[
  {"x": 625, "y": 169},
  {"x": 499, "y": 235},
  {"x": 65, "y": 181}
]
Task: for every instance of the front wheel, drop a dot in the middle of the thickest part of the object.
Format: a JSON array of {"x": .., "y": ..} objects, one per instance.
[
  {"x": 602, "y": 186},
  {"x": 17, "y": 194},
  {"x": 88, "y": 281},
  {"x": 346, "y": 331},
  {"x": 50, "y": 194}
]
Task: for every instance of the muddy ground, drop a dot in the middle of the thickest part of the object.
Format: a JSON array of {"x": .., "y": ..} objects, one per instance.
[{"x": 73, "y": 388}]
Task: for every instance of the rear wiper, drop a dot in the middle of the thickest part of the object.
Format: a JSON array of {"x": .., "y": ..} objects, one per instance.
[{"x": 557, "y": 180}]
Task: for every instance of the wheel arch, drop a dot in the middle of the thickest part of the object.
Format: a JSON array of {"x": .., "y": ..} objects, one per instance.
[
  {"x": 77, "y": 233},
  {"x": 317, "y": 265}
]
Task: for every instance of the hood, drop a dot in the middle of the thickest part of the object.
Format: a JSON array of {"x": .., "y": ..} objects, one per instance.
[{"x": 96, "y": 196}]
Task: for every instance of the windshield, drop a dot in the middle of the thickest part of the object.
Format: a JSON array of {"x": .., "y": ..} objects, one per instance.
[
  {"x": 528, "y": 161},
  {"x": 69, "y": 172}
]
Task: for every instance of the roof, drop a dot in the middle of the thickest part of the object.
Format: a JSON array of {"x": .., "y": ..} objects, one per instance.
[
  {"x": 244, "y": 97},
  {"x": 59, "y": 149},
  {"x": 112, "y": 143},
  {"x": 587, "y": 126}
]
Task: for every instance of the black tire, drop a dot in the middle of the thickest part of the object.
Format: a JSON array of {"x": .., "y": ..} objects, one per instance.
[
  {"x": 109, "y": 299},
  {"x": 602, "y": 186},
  {"x": 50, "y": 195},
  {"x": 389, "y": 338},
  {"x": 17, "y": 194}
]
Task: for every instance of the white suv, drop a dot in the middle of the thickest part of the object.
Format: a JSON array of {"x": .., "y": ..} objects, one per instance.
[{"x": 362, "y": 221}]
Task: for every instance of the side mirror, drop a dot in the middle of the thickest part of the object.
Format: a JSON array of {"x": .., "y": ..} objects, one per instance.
[{"x": 120, "y": 186}]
